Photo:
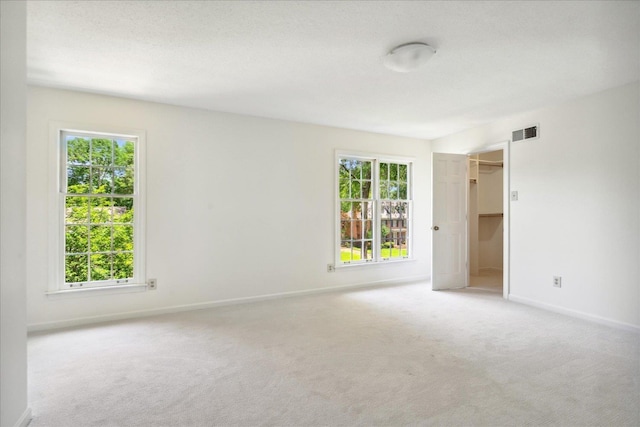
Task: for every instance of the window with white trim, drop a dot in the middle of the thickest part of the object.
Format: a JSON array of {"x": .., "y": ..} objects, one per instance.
[
  {"x": 100, "y": 210},
  {"x": 374, "y": 208}
]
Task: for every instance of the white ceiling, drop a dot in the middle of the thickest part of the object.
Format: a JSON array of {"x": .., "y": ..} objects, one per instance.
[{"x": 320, "y": 62}]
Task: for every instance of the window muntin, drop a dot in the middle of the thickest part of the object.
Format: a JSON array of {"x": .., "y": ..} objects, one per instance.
[
  {"x": 98, "y": 191},
  {"x": 374, "y": 208}
]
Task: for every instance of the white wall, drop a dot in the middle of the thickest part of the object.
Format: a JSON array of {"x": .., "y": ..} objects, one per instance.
[
  {"x": 13, "y": 331},
  {"x": 236, "y": 206},
  {"x": 578, "y": 213}
]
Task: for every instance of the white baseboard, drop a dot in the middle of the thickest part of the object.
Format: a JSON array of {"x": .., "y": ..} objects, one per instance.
[
  {"x": 211, "y": 304},
  {"x": 25, "y": 419},
  {"x": 575, "y": 313}
]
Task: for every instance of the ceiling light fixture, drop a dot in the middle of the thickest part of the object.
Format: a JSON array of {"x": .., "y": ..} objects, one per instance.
[{"x": 408, "y": 57}]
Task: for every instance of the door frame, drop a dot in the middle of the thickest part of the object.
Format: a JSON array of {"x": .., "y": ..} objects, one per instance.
[{"x": 505, "y": 146}]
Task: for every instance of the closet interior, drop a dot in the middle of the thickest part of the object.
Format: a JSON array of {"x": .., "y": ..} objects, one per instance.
[{"x": 485, "y": 217}]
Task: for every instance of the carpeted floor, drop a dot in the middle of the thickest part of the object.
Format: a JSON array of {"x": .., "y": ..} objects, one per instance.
[{"x": 387, "y": 356}]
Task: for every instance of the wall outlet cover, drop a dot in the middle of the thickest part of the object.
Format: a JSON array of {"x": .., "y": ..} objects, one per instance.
[{"x": 557, "y": 281}]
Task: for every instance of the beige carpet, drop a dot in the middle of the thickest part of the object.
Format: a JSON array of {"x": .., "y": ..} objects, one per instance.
[{"x": 388, "y": 356}]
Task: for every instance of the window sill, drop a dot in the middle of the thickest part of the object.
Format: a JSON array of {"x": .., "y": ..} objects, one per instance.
[
  {"x": 83, "y": 292},
  {"x": 369, "y": 264}
]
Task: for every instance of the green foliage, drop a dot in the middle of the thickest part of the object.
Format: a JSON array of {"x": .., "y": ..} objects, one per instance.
[
  {"x": 354, "y": 180},
  {"x": 100, "y": 166},
  {"x": 393, "y": 181},
  {"x": 99, "y": 228}
]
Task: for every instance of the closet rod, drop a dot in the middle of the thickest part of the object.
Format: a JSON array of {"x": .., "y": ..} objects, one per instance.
[{"x": 490, "y": 163}]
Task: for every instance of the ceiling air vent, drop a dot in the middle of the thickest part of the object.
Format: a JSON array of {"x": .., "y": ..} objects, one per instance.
[{"x": 524, "y": 134}]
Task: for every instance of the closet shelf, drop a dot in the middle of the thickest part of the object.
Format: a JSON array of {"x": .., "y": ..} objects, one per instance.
[{"x": 487, "y": 215}]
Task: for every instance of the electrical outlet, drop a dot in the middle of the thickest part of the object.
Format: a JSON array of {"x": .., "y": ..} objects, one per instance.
[
  {"x": 331, "y": 268},
  {"x": 152, "y": 284},
  {"x": 514, "y": 196},
  {"x": 557, "y": 281}
]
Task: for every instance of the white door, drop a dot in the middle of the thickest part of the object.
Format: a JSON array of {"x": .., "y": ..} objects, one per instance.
[{"x": 449, "y": 228}]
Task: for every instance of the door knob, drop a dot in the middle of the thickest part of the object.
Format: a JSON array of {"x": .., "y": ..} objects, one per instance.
[{"x": 435, "y": 228}]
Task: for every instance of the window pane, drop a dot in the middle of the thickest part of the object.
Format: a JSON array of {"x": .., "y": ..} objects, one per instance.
[
  {"x": 76, "y": 238},
  {"x": 403, "y": 248},
  {"x": 366, "y": 170},
  {"x": 355, "y": 253},
  {"x": 76, "y": 210},
  {"x": 101, "y": 180},
  {"x": 123, "y": 266},
  {"x": 403, "y": 209},
  {"x": 78, "y": 179},
  {"x": 356, "y": 210},
  {"x": 368, "y": 210},
  {"x": 402, "y": 172},
  {"x": 385, "y": 230},
  {"x": 101, "y": 149},
  {"x": 122, "y": 238},
  {"x": 403, "y": 191},
  {"x": 345, "y": 251},
  {"x": 384, "y": 171},
  {"x": 384, "y": 190},
  {"x": 368, "y": 229},
  {"x": 122, "y": 210},
  {"x": 345, "y": 182},
  {"x": 368, "y": 245},
  {"x": 355, "y": 189},
  {"x": 355, "y": 230},
  {"x": 123, "y": 152},
  {"x": 386, "y": 248},
  {"x": 345, "y": 230},
  {"x": 100, "y": 267},
  {"x": 77, "y": 151},
  {"x": 100, "y": 238},
  {"x": 393, "y": 190},
  {"x": 76, "y": 268},
  {"x": 385, "y": 210},
  {"x": 123, "y": 181},
  {"x": 101, "y": 208},
  {"x": 366, "y": 190},
  {"x": 393, "y": 171}
]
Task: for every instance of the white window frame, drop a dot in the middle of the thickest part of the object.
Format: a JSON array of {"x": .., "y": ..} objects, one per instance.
[
  {"x": 57, "y": 168},
  {"x": 376, "y": 159}
]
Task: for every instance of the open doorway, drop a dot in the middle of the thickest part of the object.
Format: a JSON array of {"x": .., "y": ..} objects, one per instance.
[
  {"x": 453, "y": 219},
  {"x": 485, "y": 216}
]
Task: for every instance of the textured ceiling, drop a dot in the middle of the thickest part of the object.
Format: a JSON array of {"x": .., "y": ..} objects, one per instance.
[{"x": 320, "y": 62}]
